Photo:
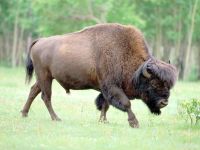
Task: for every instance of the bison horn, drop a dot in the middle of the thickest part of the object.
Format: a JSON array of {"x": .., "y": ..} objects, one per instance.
[
  {"x": 144, "y": 70},
  {"x": 145, "y": 73}
]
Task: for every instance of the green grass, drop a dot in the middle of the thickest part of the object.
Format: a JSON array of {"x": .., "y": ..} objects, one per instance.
[{"x": 79, "y": 128}]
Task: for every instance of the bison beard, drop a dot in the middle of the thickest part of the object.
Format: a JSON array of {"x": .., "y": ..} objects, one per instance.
[{"x": 152, "y": 107}]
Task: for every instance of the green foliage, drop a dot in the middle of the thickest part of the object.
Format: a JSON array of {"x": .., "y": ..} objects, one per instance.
[
  {"x": 165, "y": 23},
  {"x": 125, "y": 12},
  {"x": 190, "y": 110},
  {"x": 62, "y": 16},
  {"x": 193, "y": 76}
]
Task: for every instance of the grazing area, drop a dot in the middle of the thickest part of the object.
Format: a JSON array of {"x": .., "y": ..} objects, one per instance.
[{"x": 79, "y": 128}]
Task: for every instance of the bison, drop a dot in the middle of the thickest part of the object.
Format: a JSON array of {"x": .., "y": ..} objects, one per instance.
[{"x": 113, "y": 59}]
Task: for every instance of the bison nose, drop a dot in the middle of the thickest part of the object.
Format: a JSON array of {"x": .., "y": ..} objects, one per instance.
[{"x": 163, "y": 103}]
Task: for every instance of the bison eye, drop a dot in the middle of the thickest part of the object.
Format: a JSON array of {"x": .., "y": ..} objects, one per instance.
[
  {"x": 154, "y": 83},
  {"x": 165, "y": 94}
]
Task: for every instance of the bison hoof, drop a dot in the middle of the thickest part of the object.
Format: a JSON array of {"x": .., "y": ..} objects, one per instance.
[
  {"x": 24, "y": 114},
  {"x": 134, "y": 123},
  {"x": 56, "y": 119},
  {"x": 103, "y": 121}
]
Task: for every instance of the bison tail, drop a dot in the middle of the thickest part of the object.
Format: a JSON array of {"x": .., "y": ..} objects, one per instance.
[
  {"x": 29, "y": 65},
  {"x": 99, "y": 101}
]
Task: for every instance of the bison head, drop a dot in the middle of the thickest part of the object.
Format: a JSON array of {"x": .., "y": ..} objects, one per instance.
[{"x": 153, "y": 81}]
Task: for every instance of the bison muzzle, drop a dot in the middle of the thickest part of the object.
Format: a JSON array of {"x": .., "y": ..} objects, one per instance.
[{"x": 113, "y": 59}]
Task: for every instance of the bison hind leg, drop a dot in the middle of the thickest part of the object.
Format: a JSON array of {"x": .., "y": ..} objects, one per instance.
[{"x": 35, "y": 90}]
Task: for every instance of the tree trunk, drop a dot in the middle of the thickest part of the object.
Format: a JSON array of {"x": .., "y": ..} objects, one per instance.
[
  {"x": 178, "y": 49},
  {"x": 7, "y": 46},
  {"x": 157, "y": 51},
  {"x": 188, "y": 50},
  {"x": 29, "y": 39},
  {"x": 1, "y": 49},
  {"x": 20, "y": 47},
  {"x": 166, "y": 52},
  {"x": 178, "y": 41},
  {"x": 198, "y": 62},
  {"x": 180, "y": 58},
  {"x": 15, "y": 39}
]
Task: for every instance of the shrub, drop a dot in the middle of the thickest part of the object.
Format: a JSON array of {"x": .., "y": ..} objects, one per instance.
[{"x": 190, "y": 110}]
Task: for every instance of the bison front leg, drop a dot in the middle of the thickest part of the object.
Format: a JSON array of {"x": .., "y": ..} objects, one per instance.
[
  {"x": 102, "y": 105},
  {"x": 118, "y": 99},
  {"x": 104, "y": 109}
]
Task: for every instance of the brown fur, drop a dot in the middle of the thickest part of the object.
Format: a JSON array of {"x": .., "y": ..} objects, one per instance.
[{"x": 102, "y": 57}]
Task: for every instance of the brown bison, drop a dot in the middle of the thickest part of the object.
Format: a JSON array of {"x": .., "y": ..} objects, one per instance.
[{"x": 113, "y": 59}]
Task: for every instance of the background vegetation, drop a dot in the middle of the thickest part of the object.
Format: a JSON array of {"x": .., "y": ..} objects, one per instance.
[{"x": 170, "y": 26}]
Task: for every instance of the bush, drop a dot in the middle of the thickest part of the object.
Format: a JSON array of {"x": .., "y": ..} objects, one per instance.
[{"x": 190, "y": 110}]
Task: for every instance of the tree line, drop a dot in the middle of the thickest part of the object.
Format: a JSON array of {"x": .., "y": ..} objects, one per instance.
[{"x": 171, "y": 27}]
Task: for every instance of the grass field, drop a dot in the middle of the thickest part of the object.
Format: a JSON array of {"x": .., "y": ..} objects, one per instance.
[{"x": 79, "y": 128}]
